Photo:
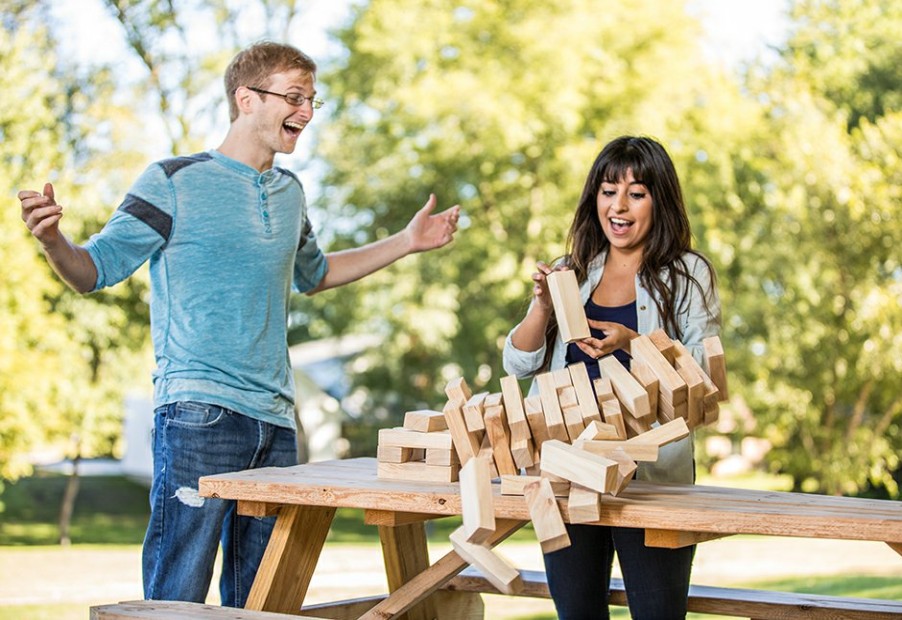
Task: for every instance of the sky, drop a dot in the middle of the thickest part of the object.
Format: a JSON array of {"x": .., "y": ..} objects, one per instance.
[{"x": 737, "y": 30}]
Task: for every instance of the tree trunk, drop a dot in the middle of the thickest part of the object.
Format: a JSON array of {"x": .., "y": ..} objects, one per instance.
[{"x": 68, "y": 504}]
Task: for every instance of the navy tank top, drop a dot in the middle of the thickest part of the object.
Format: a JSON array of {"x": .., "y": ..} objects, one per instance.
[{"x": 625, "y": 315}]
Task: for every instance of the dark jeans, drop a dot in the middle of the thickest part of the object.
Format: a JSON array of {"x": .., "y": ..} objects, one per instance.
[{"x": 656, "y": 579}]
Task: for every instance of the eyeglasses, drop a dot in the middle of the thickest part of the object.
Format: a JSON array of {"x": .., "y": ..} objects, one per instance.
[{"x": 295, "y": 99}]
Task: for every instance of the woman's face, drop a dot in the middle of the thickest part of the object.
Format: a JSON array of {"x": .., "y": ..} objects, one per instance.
[{"x": 625, "y": 212}]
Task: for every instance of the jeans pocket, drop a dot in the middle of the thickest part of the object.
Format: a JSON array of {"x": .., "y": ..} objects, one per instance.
[{"x": 192, "y": 414}]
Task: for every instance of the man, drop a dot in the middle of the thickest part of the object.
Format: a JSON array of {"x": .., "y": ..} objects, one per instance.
[{"x": 227, "y": 236}]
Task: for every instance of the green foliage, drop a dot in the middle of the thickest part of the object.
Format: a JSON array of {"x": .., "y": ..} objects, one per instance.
[
  {"x": 814, "y": 277},
  {"x": 500, "y": 106}
]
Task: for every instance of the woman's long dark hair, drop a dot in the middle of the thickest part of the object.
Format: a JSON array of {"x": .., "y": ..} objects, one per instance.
[{"x": 663, "y": 270}]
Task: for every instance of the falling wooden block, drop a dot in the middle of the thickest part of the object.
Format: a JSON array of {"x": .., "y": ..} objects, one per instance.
[
  {"x": 664, "y": 344},
  {"x": 664, "y": 434},
  {"x": 466, "y": 445},
  {"x": 403, "y": 438},
  {"x": 573, "y": 420},
  {"x": 566, "y": 397},
  {"x": 554, "y": 417},
  {"x": 515, "y": 485},
  {"x": 458, "y": 391},
  {"x": 474, "y": 410},
  {"x": 476, "y": 500},
  {"x": 398, "y": 454},
  {"x": 425, "y": 421},
  {"x": 514, "y": 408},
  {"x": 630, "y": 393},
  {"x": 672, "y": 390},
  {"x": 568, "y": 305},
  {"x": 598, "y": 430},
  {"x": 417, "y": 472},
  {"x": 649, "y": 381},
  {"x": 577, "y": 465},
  {"x": 695, "y": 389},
  {"x": 486, "y": 452},
  {"x": 646, "y": 452},
  {"x": 717, "y": 367},
  {"x": 498, "y": 434},
  {"x": 547, "y": 521},
  {"x": 496, "y": 569},
  {"x": 583, "y": 505},
  {"x": 535, "y": 415},
  {"x": 626, "y": 469},
  {"x": 585, "y": 396}
]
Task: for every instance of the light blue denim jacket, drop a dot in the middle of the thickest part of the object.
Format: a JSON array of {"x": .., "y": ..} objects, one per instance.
[{"x": 696, "y": 320}]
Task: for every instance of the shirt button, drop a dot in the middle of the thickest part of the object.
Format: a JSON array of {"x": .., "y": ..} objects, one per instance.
[{"x": 642, "y": 308}]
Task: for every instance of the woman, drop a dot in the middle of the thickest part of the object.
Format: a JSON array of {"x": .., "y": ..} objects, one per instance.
[{"x": 630, "y": 247}]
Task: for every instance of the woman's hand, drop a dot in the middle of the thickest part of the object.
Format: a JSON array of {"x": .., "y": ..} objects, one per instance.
[{"x": 616, "y": 336}]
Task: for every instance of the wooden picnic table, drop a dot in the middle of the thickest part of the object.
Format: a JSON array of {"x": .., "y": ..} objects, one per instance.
[{"x": 305, "y": 498}]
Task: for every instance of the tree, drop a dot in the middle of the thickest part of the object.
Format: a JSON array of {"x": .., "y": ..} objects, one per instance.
[
  {"x": 501, "y": 106},
  {"x": 813, "y": 272}
]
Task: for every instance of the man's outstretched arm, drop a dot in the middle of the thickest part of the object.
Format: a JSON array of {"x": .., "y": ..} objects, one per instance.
[{"x": 71, "y": 262}]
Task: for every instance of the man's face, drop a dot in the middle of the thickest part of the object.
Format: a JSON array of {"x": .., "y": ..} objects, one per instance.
[{"x": 278, "y": 123}]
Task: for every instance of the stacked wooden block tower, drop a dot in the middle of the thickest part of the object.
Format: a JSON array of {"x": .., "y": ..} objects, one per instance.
[{"x": 574, "y": 439}]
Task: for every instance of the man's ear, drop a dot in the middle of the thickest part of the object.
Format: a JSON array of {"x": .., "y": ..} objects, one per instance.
[{"x": 244, "y": 99}]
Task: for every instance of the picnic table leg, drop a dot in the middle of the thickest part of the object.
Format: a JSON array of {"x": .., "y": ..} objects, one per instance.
[
  {"x": 290, "y": 558},
  {"x": 405, "y": 553},
  {"x": 434, "y": 577}
]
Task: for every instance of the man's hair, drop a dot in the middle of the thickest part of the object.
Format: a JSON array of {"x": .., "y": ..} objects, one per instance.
[{"x": 254, "y": 65}]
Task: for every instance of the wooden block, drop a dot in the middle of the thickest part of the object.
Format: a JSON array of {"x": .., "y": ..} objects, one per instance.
[
  {"x": 561, "y": 378},
  {"x": 664, "y": 434},
  {"x": 477, "y": 509},
  {"x": 535, "y": 415},
  {"x": 573, "y": 419},
  {"x": 514, "y": 485},
  {"x": 664, "y": 344},
  {"x": 635, "y": 426},
  {"x": 695, "y": 388},
  {"x": 566, "y": 397},
  {"x": 546, "y": 515},
  {"x": 646, "y": 452},
  {"x": 712, "y": 407},
  {"x": 577, "y": 465},
  {"x": 486, "y": 452},
  {"x": 554, "y": 417},
  {"x": 417, "y": 472},
  {"x": 522, "y": 451},
  {"x": 649, "y": 381},
  {"x": 626, "y": 469},
  {"x": 496, "y": 569},
  {"x": 630, "y": 393},
  {"x": 497, "y": 432},
  {"x": 604, "y": 390},
  {"x": 473, "y": 412},
  {"x": 466, "y": 445},
  {"x": 513, "y": 407},
  {"x": 598, "y": 430},
  {"x": 585, "y": 395},
  {"x": 458, "y": 391},
  {"x": 672, "y": 390},
  {"x": 568, "y": 305},
  {"x": 583, "y": 505},
  {"x": 397, "y": 454},
  {"x": 403, "y": 438},
  {"x": 425, "y": 421},
  {"x": 440, "y": 456},
  {"x": 717, "y": 366},
  {"x": 612, "y": 414}
]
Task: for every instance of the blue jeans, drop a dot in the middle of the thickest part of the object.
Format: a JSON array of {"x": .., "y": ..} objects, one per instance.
[
  {"x": 192, "y": 440},
  {"x": 656, "y": 580}
]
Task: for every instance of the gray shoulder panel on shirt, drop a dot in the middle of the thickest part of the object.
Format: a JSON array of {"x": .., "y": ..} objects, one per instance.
[
  {"x": 153, "y": 216},
  {"x": 173, "y": 165}
]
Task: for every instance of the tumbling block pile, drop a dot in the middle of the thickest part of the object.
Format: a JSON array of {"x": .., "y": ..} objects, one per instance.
[{"x": 574, "y": 439}]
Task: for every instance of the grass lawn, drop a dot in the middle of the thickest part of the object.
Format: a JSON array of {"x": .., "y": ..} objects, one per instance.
[{"x": 39, "y": 579}]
